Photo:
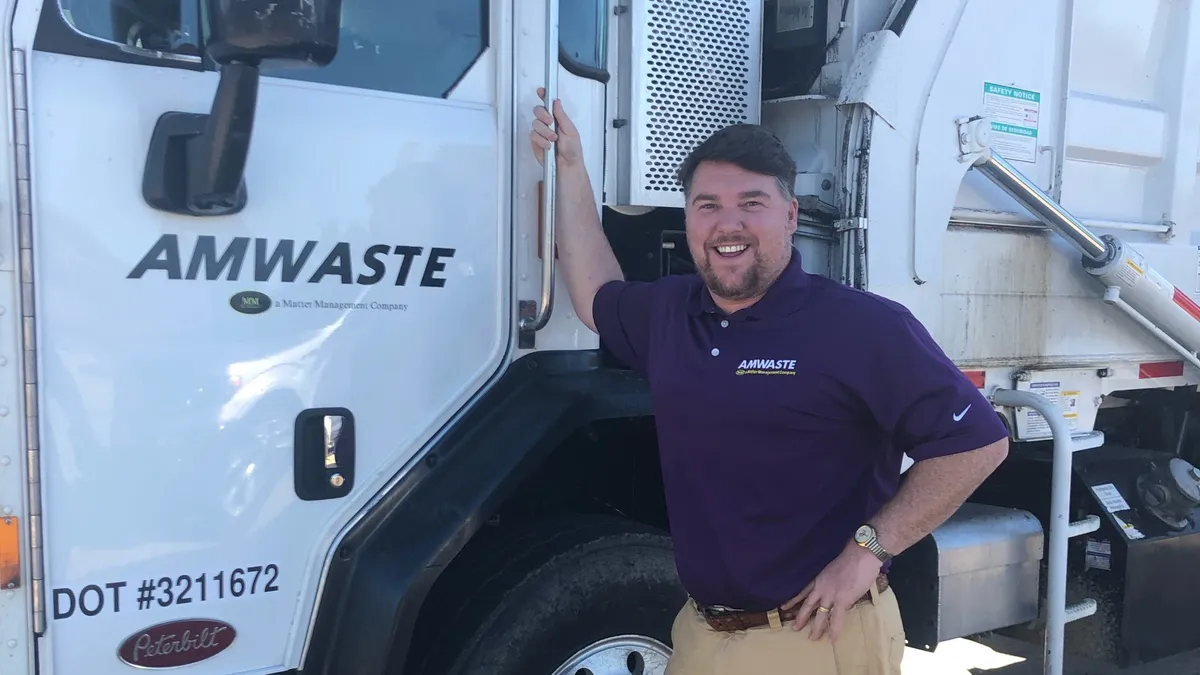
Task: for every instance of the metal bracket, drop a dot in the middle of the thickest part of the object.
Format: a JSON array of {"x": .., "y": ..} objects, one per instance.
[
  {"x": 526, "y": 311},
  {"x": 819, "y": 185},
  {"x": 974, "y": 139},
  {"x": 848, "y": 224}
]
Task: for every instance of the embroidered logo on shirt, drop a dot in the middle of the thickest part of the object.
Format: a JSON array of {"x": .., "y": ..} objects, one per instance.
[
  {"x": 767, "y": 367},
  {"x": 960, "y": 415}
]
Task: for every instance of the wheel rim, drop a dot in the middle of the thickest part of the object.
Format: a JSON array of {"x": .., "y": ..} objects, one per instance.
[{"x": 620, "y": 655}]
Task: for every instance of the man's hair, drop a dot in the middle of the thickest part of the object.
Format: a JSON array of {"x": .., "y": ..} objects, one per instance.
[{"x": 749, "y": 146}]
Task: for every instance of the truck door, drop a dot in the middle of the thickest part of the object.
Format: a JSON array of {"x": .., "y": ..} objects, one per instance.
[{"x": 217, "y": 397}]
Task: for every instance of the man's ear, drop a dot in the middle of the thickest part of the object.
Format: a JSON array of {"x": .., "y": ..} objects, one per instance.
[{"x": 793, "y": 215}]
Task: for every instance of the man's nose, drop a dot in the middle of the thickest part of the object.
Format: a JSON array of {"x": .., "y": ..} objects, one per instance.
[{"x": 729, "y": 222}]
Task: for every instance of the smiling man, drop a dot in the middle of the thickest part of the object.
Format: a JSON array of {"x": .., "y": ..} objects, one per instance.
[{"x": 784, "y": 403}]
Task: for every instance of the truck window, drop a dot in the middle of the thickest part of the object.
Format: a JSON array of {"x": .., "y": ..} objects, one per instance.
[
  {"x": 171, "y": 27},
  {"x": 583, "y": 37},
  {"x": 412, "y": 47},
  {"x": 403, "y": 46}
]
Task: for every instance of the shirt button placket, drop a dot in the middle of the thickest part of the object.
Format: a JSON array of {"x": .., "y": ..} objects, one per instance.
[{"x": 724, "y": 324}]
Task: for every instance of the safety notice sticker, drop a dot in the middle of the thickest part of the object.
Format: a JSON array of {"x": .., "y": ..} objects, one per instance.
[{"x": 1014, "y": 115}]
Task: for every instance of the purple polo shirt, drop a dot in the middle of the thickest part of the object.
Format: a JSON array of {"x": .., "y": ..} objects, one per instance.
[{"x": 781, "y": 427}]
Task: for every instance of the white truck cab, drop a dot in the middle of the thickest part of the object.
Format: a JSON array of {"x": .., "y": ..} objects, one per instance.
[{"x": 288, "y": 383}]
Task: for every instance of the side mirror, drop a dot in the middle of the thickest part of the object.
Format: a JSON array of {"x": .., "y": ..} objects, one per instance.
[
  {"x": 195, "y": 164},
  {"x": 282, "y": 32}
]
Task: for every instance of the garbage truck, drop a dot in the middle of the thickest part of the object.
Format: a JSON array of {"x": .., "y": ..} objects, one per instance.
[{"x": 289, "y": 382}]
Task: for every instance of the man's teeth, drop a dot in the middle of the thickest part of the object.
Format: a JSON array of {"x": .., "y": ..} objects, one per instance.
[{"x": 732, "y": 248}]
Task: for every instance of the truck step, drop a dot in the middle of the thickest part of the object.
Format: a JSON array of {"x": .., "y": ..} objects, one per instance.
[
  {"x": 1080, "y": 610},
  {"x": 1089, "y": 524},
  {"x": 1087, "y": 441}
]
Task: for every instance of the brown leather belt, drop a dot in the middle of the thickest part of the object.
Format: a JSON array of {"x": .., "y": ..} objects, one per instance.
[{"x": 730, "y": 620}]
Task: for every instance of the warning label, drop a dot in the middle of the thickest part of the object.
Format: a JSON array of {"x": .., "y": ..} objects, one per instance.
[
  {"x": 1110, "y": 497},
  {"x": 1130, "y": 272},
  {"x": 1014, "y": 114},
  {"x": 1065, "y": 401}
]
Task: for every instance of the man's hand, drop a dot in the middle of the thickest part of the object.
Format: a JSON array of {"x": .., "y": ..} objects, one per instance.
[
  {"x": 835, "y": 590},
  {"x": 569, "y": 147},
  {"x": 585, "y": 258}
]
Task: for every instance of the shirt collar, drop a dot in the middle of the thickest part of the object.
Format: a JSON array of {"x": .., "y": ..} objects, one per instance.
[{"x": 783, "y": 296}]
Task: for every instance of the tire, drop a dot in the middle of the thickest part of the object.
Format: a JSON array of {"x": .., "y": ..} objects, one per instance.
[{"x": 530, "y": 600}]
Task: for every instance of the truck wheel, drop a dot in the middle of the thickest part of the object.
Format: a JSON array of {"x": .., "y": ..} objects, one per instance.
[{"x": 582, "y": 596}]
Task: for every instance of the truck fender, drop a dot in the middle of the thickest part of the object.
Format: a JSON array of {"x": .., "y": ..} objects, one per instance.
[{"x": 384, "y": 567}]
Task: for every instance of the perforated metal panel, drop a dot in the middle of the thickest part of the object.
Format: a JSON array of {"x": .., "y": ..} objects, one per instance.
[{"x": 695, "y": 69}]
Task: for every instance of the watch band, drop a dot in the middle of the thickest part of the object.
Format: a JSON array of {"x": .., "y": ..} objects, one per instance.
[{"x": 874, "y": 547}]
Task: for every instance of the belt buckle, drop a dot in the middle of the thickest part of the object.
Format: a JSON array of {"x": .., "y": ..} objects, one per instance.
[{"x": 718, "y": 610}]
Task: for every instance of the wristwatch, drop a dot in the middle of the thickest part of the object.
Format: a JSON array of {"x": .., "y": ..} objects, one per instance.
[{"x": 867, "y": 538}]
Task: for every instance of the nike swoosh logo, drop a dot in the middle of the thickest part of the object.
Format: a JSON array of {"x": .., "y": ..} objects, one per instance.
[{"x": 959, "y": 416}]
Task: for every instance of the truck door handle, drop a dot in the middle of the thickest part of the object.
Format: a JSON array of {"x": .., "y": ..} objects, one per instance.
[
  {"x": 324, "y": 453},
  {"x": 534, "y": 317}
]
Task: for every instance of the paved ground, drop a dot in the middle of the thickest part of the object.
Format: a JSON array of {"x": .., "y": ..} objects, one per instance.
[{"x": 1003, "y": 656}]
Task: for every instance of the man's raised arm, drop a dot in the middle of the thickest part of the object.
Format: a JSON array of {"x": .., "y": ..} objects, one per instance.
[{"x": 585, "y": 257}]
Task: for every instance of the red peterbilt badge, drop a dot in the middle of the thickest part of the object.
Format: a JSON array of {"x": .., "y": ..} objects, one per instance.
[{"x": 176, "y": 643}]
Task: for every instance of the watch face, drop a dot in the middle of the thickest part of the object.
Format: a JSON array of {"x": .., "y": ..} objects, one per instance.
[{"x": 863, "y": 534}]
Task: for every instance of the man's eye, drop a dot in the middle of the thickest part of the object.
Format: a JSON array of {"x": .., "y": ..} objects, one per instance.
[{"x": 752, "y": 203}]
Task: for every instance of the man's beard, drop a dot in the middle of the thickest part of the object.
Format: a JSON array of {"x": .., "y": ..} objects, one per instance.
[{"x": 749, "y": 283}]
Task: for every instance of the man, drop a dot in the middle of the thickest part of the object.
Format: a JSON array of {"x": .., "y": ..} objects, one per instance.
[{"x": 784, "y": 402}]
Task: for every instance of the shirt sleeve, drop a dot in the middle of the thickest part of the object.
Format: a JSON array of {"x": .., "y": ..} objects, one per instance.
[
  {"x": 622, "y": 311},
  {"x": 921, "y": 398}
]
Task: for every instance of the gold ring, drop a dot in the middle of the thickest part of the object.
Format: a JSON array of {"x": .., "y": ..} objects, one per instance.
[{"x": 822, "y": 609}]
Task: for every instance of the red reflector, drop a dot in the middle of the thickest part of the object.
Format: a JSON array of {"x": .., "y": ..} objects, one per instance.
[
  {"x": 1160, "y": 369},
  {"x": 976, "y": 377},
  {"x": 1187, "y": 304}
]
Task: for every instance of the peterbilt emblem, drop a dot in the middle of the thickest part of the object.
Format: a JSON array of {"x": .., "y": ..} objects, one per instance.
[
  {"x": 176, "y": 643},
  {"x": 250, "y": 302}
]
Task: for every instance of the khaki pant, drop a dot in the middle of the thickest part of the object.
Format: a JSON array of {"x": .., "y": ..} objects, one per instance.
[{"x": 871, "y": 643}]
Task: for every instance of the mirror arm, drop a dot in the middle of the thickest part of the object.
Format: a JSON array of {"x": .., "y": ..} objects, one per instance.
[
  {"x": 195, "y": 165},
  {"x": 217, "y": 157}
]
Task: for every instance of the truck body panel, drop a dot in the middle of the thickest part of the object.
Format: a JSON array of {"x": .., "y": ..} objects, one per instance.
[
  {"x": 1114, "y": 137},
  {"x": 168, "y": 418},
  {"x": 1119, "y": 147},
  {"x": 999, "y": 292}
]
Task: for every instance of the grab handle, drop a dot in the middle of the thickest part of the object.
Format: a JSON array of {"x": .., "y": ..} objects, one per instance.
[{"x": 541, "y": 314}]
